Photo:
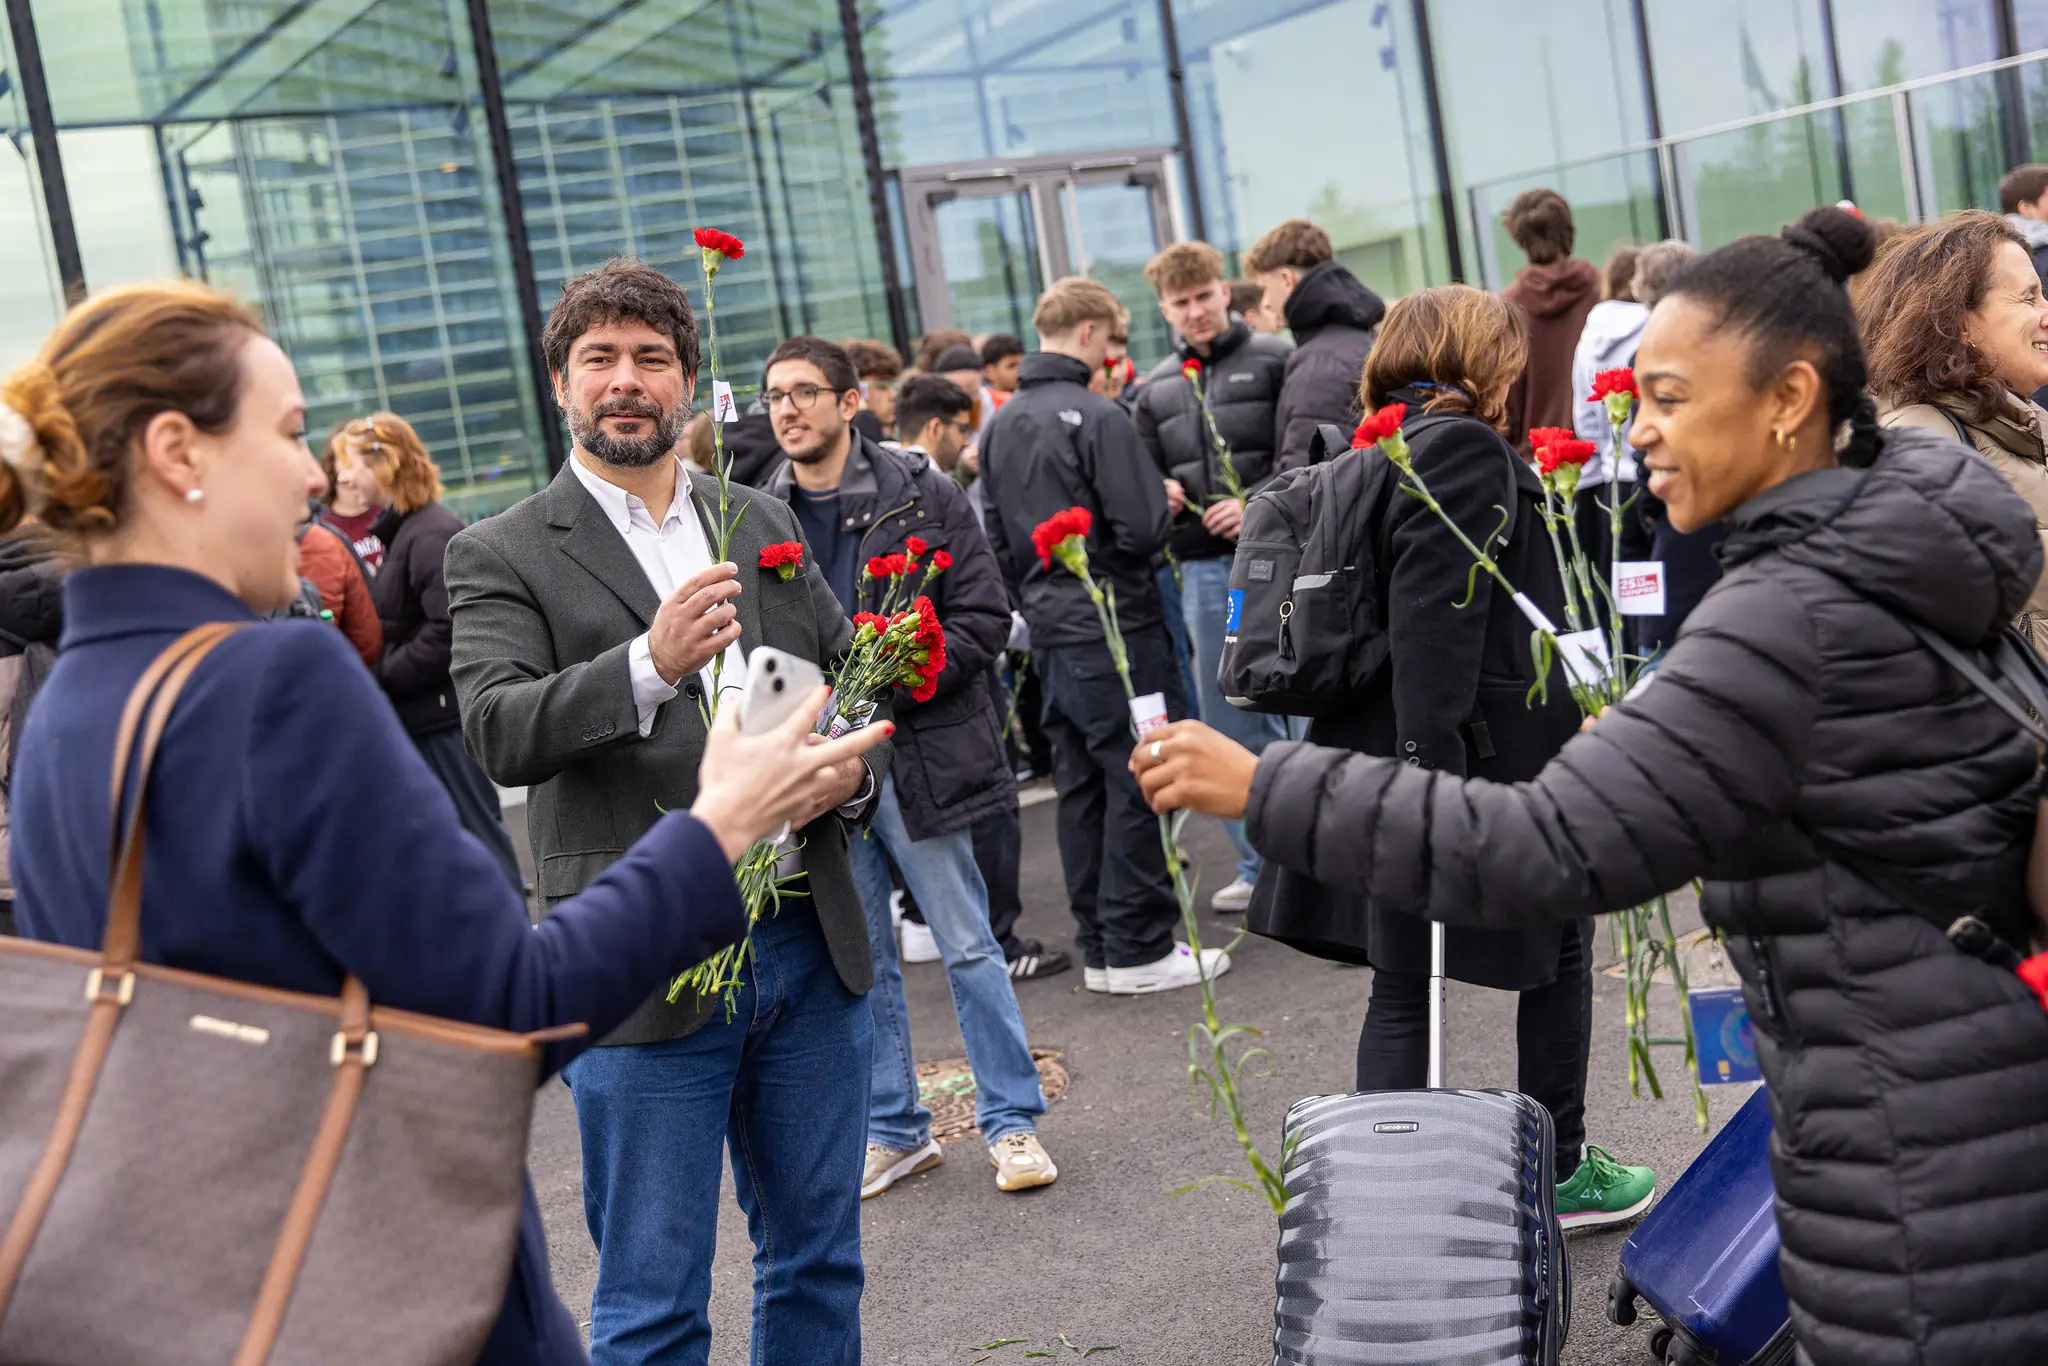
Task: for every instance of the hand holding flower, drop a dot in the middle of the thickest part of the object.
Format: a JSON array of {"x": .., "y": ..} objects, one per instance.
[{"x": 1188, "y": 766}]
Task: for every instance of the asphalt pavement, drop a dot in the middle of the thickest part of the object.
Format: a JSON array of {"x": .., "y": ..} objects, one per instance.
[{"x": 1107, "y": 1256}]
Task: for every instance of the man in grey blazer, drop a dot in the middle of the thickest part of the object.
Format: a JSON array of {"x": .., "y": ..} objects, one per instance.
[{"x": 590, "y": 623}]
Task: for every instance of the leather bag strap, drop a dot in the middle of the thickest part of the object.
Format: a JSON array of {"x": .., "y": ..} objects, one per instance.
[{"x": 107, "y": 990}]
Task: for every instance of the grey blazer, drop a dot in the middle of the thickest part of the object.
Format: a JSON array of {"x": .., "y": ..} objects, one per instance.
[{"x": 547, "y": 599}]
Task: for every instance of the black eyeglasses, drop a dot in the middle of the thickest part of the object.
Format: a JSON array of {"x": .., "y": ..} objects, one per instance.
[{"x": 802, "y": 395}]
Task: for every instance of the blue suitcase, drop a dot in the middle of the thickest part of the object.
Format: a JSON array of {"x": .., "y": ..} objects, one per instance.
[{"x": 1706, "y": 1258}]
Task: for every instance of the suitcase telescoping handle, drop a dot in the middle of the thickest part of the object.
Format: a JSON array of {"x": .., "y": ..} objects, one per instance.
[{"x": 1436, "y": 1005}]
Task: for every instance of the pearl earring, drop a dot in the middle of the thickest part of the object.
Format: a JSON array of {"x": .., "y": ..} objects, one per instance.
[{"x": 194, "y": 495}]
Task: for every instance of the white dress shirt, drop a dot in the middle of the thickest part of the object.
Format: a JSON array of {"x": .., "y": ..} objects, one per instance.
[{"x": 668, "y": 554}]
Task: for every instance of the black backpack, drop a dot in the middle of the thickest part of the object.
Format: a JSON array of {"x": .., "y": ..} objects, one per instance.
[{"x": 1303, "y": 636}]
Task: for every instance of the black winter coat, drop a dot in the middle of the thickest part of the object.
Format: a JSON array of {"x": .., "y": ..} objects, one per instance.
[
  {"x": 951, "y": 766},
  {"x": 1798, "y": 717},
  {"x": 1057, "y": 444},
  {"x": 412, "y": 603},
  {"x": 1452, "y": 697},
  {"x": 1241, "y": 377},
  {"x": 1335, "y": 321}
]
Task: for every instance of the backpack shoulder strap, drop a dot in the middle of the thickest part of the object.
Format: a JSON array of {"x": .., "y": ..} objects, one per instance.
[{"x": 1327, "y": 443}]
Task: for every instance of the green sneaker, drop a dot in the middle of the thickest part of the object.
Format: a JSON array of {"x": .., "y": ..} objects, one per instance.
[{"x": 1602, "y": 1192}]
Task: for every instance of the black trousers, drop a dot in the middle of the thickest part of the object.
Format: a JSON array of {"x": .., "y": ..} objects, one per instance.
[
  {"x": 476, "y": 801},
  {"x": 999, "y": 853},
  {"x": 1117, "y": 882},
  {"x": 1553, "y": 1029}
]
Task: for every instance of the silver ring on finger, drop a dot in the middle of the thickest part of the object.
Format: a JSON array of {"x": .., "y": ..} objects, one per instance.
[{"x": 1155, "y": 752}]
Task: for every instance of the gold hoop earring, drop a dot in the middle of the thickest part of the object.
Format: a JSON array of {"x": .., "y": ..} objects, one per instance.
[{"x": 1785, "y": 442}]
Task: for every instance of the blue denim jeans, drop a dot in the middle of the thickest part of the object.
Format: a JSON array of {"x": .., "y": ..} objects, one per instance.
[
  {"x": 783, "y": 1083},
  {"x": 1205, "y": 595},
  {"x": 945, "y": 881},
  {"x": 1177, "y": 628}
]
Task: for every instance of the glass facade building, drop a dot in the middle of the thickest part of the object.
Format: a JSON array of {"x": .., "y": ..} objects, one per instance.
[{"x": 402, "y": 185}]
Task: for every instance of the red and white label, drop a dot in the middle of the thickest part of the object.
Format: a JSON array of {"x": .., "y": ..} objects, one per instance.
[{"x": 1639, "y": 587}]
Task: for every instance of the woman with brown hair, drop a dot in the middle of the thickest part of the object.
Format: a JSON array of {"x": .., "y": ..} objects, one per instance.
[
  {"x": 295, "y": 837},
  {"x": 412, "y": 603},
  {"x": 1454, "y": 697},
  {"x": 1957, "y": 334}
]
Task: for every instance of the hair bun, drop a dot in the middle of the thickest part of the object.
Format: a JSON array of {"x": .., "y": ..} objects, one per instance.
[{"x": 1839, "y": 241}]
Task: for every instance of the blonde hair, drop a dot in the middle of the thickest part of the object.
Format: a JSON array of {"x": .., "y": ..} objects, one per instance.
[
  {"x": 1184, "y": 265},
  {"x": 1076, "y": 300},
  {"x": 115, "y": 363},
  {"x": 390, "y": 449}
]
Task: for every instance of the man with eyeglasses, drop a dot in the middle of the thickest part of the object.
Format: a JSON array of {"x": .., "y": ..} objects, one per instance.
[{"x": 856, "y": 500}]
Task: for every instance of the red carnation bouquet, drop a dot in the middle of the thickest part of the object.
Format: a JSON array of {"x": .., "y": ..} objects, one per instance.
[{"x": 901, "y": 645}]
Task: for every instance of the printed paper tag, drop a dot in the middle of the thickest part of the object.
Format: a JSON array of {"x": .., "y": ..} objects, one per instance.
[
  {"x": 722, "y": 408},
  {"x": 1585, "y": 656},
  {"x": 1148, "y": 713},
  {"x": 1639, "y": 587},
  {"x": 1535, "y": 615}
]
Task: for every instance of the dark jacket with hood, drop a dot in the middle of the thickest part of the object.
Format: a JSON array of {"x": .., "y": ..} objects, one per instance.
[
  {"x": 1554, "y": 300},
  {"x": 1452, "y": 697},
  {"x": 1799, "y": 734},
  {"x": 31, "y": 619},
  {"x": 1058, "y": 444},
  {"x": 951, "y": 766},
  {"x": 412, "y": 604},
  {"x": 1335, "y": 321},
  {"x": 1241, "y": 377}
]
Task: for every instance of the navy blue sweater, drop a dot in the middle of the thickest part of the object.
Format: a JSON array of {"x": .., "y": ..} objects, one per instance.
[{"x": 296, "y": 836}]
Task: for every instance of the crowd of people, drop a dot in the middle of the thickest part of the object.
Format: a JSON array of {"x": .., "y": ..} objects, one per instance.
[{"x": 1831, "y": 441}]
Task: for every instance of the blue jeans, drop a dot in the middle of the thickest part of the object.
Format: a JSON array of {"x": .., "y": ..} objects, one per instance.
[
  {"x": 945, "y": 881},
  {"x": 783, "y": 1082},
  {"x": 1205, "y": 600},
  {"x": 1177, "y": 628}
]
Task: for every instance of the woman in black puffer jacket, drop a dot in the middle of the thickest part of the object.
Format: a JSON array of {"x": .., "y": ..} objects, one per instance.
[
  {"x": 411, "y": 593},
  {"x": 1824, "y": 770}
]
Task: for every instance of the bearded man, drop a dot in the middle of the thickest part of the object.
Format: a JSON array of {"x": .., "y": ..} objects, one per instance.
[{"x": 592, "y": 630}]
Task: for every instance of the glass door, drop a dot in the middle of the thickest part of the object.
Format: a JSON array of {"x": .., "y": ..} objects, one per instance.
[{"x": 987, "y": 237}]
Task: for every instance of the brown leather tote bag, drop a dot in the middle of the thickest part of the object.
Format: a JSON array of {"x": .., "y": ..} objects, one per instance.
[{"x": 197, "y": 1170}]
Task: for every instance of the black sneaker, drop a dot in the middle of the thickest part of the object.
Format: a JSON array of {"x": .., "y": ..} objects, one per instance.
[{"x": 1036, "y": 960}]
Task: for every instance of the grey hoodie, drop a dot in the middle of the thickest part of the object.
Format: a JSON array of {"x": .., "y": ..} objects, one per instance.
[{"x": 1613, "y": 330}]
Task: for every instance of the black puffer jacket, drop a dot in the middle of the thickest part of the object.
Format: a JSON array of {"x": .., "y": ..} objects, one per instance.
[
  {"x": 1241, "y": 375},
  {"x": 1057, "y": 444},
  {"x": 411, "y": 591},
  {"x": 1909, "y": 1082},
  {"x": 951, "y": 766},
  {"x": 1335, "y": 320}
]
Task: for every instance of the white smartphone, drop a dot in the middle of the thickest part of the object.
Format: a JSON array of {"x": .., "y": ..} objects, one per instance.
[{"x": 777, "y": 684}]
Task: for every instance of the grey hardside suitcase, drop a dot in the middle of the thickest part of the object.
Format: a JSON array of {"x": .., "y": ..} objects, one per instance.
[{"x": 1421, "y": 1226}]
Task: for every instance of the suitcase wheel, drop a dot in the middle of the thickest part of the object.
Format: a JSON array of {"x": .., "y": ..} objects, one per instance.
[
  {"x": 1621, "y": 1302},
  {"x": 1660, "y": 1343}
]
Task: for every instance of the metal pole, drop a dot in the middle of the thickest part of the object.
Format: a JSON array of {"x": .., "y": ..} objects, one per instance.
[
  {"x": 1673, "y": 205},
  {"x": 1653, "y": 122},
  {"x": 2012, "y": 91},
  {"x": 1909, "y": 156},
  {"x": 1438, "y": 1002},
  {"x": 525, "y": 283},
  {"x": 42, "y": 128},
  {"x": 1440, "y": 152},
  {"x": 1177, "y": 85},
  {"x": 878, "y": 183},
  {"x": 1840, "y": 119}
]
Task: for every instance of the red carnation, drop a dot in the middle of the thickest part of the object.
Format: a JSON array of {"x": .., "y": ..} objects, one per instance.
[
  {"x": 2034, "y": 972},
  {"x": 931, "y": 641},
  {"x": 784, "y": 557},
  {"x": 1569, "y": 451},
  {"x": 915, "y": 545},
  {"x": 1539, "y": 437},
  {"x": 1381, "y": 425},
  {"x": 1619, "y": 381},
  {"x": 941, "y": 562},
  {"x": 869, "y": 619},
  {"x": 724, "y": 243},
  {"x": 1191, "y": 367},
  {"x": 1054, "y": 530},
  {"x": 887, "y": 566}
]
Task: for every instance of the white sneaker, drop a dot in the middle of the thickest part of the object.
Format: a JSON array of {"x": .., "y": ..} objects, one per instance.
[
  {"x": 1021, "y": 1162},
  {"x": 886, "y": 1166},
  {"x": 1095, "y": 979},
  {"x": 919, "y": 946},
  {"x": 1234, "y": 899},
  {"x": 1177, "y": 969}
]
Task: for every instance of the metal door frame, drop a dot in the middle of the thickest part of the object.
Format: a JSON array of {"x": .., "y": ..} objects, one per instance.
[{"x": 1047, "y": 184}]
